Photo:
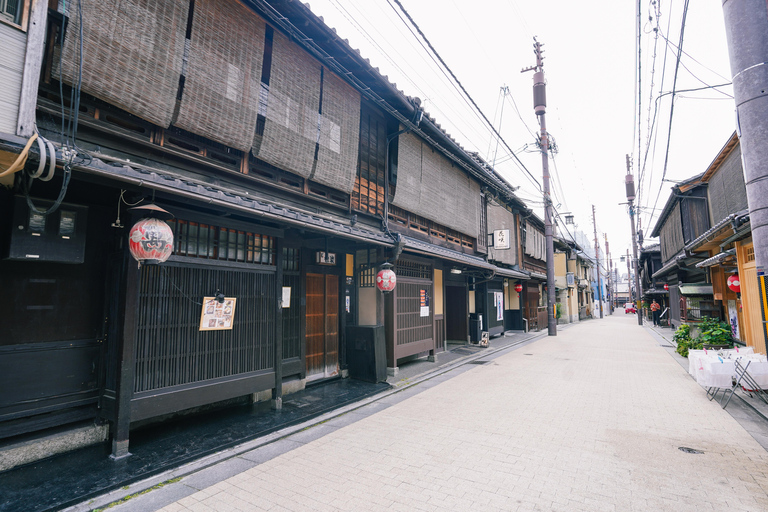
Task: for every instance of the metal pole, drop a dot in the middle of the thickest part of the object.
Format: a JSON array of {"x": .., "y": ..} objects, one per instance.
[
  {"x": 540, "y": 107},
  {"x": 629, "y": 280},
  {"x": 597, "y": 265},
  {"x": 746, "y": 30},
  {"x": 611, "y": 291},
  {"x": 630, "y": 183}
]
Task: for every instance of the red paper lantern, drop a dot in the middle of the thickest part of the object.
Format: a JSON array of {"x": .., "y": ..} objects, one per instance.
[
  {"x": 150, "y": 241},
  {"x": 386, "y": 280},
  {"x": 518, "y": 287},
  {"x": 666, "y": 287},
  {"x": 734, "y": 283}
]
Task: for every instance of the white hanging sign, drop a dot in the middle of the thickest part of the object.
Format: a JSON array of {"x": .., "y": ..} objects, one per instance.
[{"x": 501, "y": 239}]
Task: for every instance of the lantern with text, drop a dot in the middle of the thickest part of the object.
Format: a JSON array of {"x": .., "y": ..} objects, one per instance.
[
  {"x": 666, "y": 287},
  {"x": 150, "y": 241},
  {"x": 518, "y": 287},
  {"x": 734, "y": 283},
  {"x": 386, "y": 279}
]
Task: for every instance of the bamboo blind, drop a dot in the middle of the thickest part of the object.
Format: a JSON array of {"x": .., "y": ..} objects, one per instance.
[
  {"x": 339, "y": 134},
  {"x": 132, "y": 54},
  {"x": 221, "y": 88},
  {"x": 429, "y": 186},
  {"x": 293, "y": 103},
  {"x": 501, "y": 218}
]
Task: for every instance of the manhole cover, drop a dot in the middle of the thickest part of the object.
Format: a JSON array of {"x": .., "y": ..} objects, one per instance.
[
  {"x": 527, "y": 354},
  {"x": 690, "y": 450}
]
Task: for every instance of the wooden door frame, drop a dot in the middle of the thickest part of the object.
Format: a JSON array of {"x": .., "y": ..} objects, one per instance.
[{"x": 340, "y": 273}]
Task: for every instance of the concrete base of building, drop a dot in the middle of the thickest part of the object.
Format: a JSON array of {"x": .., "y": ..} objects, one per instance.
[{"x": 31, "y": 450}]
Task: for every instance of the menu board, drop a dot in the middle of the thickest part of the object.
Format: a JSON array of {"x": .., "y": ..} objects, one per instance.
[{"x": 217, "y": 316}]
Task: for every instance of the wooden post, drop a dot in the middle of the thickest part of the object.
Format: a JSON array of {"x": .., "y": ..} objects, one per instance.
[
  {"x": 126, "y": 365},
  {"x": 277, "y": 391}
]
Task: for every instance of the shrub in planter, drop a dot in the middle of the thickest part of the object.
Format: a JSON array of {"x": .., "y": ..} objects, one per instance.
[
  {"x": 715, "y": 334},
  {"x": 682, "y": 337}
]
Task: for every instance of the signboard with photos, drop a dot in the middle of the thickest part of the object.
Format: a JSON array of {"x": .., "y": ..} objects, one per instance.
[{"x": 217, "y": 316}]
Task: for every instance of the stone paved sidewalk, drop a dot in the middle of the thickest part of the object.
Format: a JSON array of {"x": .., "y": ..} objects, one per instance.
[{"x": 590, "y": 420}]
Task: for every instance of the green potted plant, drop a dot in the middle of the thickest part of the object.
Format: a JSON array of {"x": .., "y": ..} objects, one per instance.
[
  {"x": 715, "y": 335},
  {"x": 682, "y": 337}
]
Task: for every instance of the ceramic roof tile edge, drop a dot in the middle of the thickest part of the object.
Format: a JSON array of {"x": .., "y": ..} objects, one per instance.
[
  {"x": 717, "y": 258},
  {"x": 671, "y": 264},
  {"x": 465, "y": 160},
  {"x": 509, "y": 272},
  {"x": 651, "y": 248},
  {"x": 188, "y": 188},
  {"x": 738, "y": 217}
]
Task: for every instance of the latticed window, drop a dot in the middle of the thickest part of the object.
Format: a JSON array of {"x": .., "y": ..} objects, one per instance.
[
  {"x": 368, "y": 194},
  {"x": 196, "y": 240},
  {"x": 291, "y": 259},
  {"x": 366, "y": 268},
  {"x": 407, "y": 268}
]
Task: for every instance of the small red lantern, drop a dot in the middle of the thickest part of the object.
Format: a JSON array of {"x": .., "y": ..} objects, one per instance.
[
  {"x": 734, "y": 283},
  {"x": 518, "y": 287},
  {"x": 386, "y": 279},
  {"x": 666, "y": 287},
  {"x": 150, "y": 241}
]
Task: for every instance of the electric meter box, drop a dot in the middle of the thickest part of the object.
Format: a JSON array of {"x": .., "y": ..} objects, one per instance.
[{"x": 58, "y": 237}]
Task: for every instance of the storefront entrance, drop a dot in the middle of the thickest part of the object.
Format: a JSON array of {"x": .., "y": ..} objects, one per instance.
[{"x": 322, "y": 326}]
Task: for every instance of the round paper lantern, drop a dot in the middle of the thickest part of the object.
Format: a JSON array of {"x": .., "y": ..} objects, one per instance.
[
  {"x": 518, "y": 287},
  {"x": 386, "y": 280},
  {"x": 150, "y": 241},
  {"x": 734, "y": 283},
  {"x": 666, "y": 287}
]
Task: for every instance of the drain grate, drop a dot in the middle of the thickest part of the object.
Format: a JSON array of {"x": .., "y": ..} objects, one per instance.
[
  {"x": 478, "y": 362},
  {"x": 690, "y": 450},
  {"x": 527, "y": 354}
]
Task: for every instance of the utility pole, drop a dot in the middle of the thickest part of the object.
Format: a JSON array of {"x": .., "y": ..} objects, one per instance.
[
  {"x": 746, "y": 29},
  {"x": 608, "y": 266},
  {"x": 597, "y": 265},
  {"x": 539, "y": 108},
  {"x": 629, "y": 280},
  {"x": 630, "y": 182}
]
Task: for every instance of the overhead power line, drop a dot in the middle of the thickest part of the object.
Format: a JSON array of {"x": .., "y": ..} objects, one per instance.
[{"x": 469, "y": 97}]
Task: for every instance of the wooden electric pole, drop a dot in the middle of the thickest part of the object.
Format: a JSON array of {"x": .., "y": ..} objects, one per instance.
[
  {"x": 539, "y": 108},
  {"x": 597, "y": 264}
]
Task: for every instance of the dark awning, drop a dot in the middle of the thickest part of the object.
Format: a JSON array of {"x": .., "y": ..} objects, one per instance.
[{"x": 417, "y": 246}]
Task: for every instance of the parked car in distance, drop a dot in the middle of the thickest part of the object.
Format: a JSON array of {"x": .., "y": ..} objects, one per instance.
[{"x": 629, "y": 308}]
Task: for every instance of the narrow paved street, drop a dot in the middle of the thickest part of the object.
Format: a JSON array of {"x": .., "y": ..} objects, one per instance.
[{"x": 590, "y": 420}]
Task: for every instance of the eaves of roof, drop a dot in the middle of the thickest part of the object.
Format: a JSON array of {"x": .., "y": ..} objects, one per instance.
[
  {"x": 729, "y": 146},
  {"x": 669, "y": 267},
  {"x": 719, "y": 231},
  {"x": 218, "y": 195},
  {"x": 419, "y": 247}
]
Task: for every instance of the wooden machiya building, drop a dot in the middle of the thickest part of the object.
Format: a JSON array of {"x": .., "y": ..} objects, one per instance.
[
  {"x": 684, "y": 218},
  {"x": 728, "y": 248},
  {"x": 291, "y": 171}
]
